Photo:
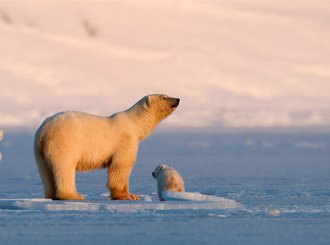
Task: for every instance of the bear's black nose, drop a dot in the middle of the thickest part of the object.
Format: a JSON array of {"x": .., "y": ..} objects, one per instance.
[
  {"x": 153, "y": 174},
  {"x": 176, "y": 103}
]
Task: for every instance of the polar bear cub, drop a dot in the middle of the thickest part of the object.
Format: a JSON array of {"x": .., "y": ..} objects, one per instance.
[{"x": 168, "y": 179}]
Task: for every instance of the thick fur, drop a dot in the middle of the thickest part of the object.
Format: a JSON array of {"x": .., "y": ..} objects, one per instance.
[
  {"x": 75, "y": 141},
  {"x": 168, "y": 179}
]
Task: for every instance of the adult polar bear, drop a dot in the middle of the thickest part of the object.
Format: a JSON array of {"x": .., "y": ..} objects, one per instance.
[{"x": 75, "y": 141}]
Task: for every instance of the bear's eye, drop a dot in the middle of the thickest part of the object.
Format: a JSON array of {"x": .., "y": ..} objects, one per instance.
[{"x": 164, "y": 98}]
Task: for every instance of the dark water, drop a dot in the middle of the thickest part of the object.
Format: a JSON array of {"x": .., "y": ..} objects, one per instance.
[{"x": 282, "y": 179}]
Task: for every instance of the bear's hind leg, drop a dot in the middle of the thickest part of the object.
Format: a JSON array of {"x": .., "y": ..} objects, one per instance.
[
  {"x": 47, "y": 178},
  {"x": 65, "y": 180}
]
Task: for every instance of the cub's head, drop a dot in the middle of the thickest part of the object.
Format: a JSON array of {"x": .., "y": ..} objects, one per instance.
[
  {"x": 160, "y": 105},
  {"x": 158, "y": 170}
]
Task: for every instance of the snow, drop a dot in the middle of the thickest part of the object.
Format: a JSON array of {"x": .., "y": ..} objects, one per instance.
[
  {"x": 280, "y": 179},
  {"x": 178, "y": 201},
  {"x": 235, "y": 64},
  {"x": 198, "y": 197},
  {"x": 1, "y": 136}
]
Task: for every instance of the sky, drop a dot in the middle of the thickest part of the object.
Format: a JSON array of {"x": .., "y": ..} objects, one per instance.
[{"x": 233, "y": 64}]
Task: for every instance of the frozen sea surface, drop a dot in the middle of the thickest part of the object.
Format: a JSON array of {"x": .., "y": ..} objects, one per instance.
[{"x": 282, "y": 181}]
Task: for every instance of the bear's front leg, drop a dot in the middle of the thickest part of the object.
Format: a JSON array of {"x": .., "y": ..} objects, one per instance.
[
  {"x": 118, "y": 182},
  {"x": 132, "y": 196}
]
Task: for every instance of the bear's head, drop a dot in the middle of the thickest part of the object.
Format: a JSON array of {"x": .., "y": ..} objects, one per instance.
[
  {"x": 150, "y": 110},
  {"x": 158, "y": 170},
  {"x": 160, "y": 105}
]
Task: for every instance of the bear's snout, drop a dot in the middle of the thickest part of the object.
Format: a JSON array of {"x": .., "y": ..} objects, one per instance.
[{"x": 175, "y": 103}]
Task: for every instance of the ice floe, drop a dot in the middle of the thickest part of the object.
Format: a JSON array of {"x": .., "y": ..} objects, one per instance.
[
  {"x": 182, "y": 201},
  {"x": 195, "y": 196}
]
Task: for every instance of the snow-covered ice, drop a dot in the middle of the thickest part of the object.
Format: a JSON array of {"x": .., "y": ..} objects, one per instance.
[
  {"x": 234, "y": 63},
  {"x": 198, "y": 197},
  {"x": 176, "y": 201},
  {"x": 1, "y": 136},
  {"x": 283, "y": 189}
]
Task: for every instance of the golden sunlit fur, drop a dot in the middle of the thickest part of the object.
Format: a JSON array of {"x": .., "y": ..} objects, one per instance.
[
  {"x": 75, "y": 141},
  {"x": 168, "y": 179}
]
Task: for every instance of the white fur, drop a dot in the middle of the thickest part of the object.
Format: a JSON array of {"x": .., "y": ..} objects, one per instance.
[
  {"x": 168, "y": 179},
  {"x": 75, "y": 141}
]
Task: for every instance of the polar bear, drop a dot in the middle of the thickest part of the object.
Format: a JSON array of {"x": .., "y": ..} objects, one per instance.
[
  {"x": 75, "y": 141},
  {"x": 168, "y": 179}
]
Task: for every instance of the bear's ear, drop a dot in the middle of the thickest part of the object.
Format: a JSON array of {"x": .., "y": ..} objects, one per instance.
[{"x": 147, "y": 102}]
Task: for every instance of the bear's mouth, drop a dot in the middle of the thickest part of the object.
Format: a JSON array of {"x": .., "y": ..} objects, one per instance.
[{"x": 176, "y": 103}]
